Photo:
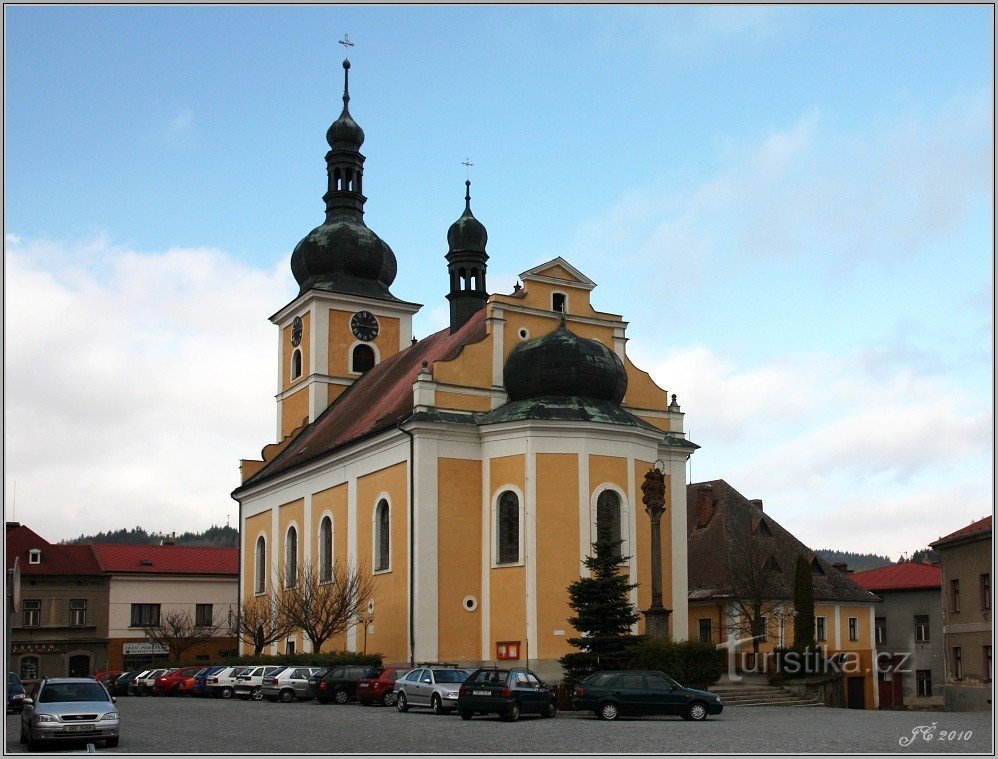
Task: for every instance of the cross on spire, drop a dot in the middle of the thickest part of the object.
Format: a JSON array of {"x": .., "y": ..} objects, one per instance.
[{"x": 347, "y": 44}]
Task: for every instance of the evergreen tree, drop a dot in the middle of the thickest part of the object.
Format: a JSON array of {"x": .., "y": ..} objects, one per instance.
[
  {"x": 803, "y": 605},
  {"x": 603, "y": 613}
]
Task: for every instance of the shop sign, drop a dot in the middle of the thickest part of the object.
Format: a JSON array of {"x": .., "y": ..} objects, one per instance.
[
  {"x": 143, "y": 649},
  {"x": 37, "y": 648}
]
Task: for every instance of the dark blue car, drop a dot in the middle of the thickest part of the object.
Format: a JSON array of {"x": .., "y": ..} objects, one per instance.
[
  {"x": 201, "y": 679},
  {"x": 15, "y": 693}
]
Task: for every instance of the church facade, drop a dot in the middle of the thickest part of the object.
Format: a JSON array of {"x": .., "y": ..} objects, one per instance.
[{"x": 469, "y": 472}]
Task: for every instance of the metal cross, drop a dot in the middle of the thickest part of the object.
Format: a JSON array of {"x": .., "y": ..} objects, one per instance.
[
  {"x": 467, "y": 164},
  {"x": 347, "y": 44}
]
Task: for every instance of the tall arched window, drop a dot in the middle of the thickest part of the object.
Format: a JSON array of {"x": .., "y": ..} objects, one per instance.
[
  {"x": 291, "y": 558},
  {"x": 382, "y": 525},
  {"x": 260, "y": 585},
  {"x": 508, "y": 529},
  {"x": 363, "y": 358},
  {"x": 608, "y": 518},
  {"x": 326, "y": 549},
  {"x": 296, "y": 364}
]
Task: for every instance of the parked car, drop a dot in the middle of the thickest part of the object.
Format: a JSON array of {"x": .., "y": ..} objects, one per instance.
[
  {"x": 287, "y": 683},
  {"x": 434, "y": 687},
  {"x": 338, "y": 684},
  {"x": 69, "y": 708},
  {"x": 378, "y": 687},
  {"x": 133, "y": 683},
  {"x": 201, "y": 679},
  {"x": 222, "y": 684},
  {"x": 506, "y": 692},
  {"x": 15, "y": 693},
  {"x": 250, "y": 680},
  {"x": 177, "y": 682},
  {"x": 107, "y": 677},
  {"x": 146, "y": 685},
  {"x": 636, "y": 692},
  {"x": 119, "y": 687}
]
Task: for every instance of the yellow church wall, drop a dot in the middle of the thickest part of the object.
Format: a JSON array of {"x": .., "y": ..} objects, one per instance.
[
  {"x": 294, "y": 408},
  {"x": 462, "y": 401},
  {"x": 341, "y": 338},
  {"x": 334, "y": 501},
  {"x": 654, "y": 421},
  {"x": 507, "y": 584},
  {"x": 642, "y": 392},
  {"x": 459, "y": 519},
  {"x": 388, "y": 337},
  {"x": 289, "y": 350},
  {"x": 538, "y": 295},
  {"x": 557, "y": 546},
  {"x": 254, "y": 526},
  {"x": 288, "y": 513},
  {"x": 391, "y": 587},
  {"x": 472, "y": 367},
  {"x": 538, "y": 326}
]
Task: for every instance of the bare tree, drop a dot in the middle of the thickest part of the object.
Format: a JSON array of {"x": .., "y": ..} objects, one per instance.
[
  {"x": 323, "y": 609},
  {"x": 178, "y": 632},
  {"x": 258, "y": 622}
]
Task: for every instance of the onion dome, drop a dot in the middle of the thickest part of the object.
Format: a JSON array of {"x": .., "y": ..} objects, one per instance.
[
  {"x": 467, "y": 234},
  {"x": 563, "y": 364}
]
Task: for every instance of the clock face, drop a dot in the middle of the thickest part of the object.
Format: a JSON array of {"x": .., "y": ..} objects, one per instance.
[
  {"x": 296, "y": 327},
  {"x": 364, "y": 326}
]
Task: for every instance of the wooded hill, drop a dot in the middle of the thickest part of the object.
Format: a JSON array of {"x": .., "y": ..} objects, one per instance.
[{"x": 213, "y": 537}]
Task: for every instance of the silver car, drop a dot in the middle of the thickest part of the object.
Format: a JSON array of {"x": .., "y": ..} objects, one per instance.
[
  {"x": 434, "y": 687},
  {"x": 248, "y": 682},
  {"x": 69, "y": 708},
  {"x": 288, "y": 684}
]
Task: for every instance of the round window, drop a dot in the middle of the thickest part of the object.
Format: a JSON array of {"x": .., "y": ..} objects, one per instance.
[
  {"x": 470, "y": 603},
  {"x": 524, "y": 334}
]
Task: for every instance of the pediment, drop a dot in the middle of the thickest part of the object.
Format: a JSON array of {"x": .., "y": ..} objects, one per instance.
[{"x": 561, "y": 271}]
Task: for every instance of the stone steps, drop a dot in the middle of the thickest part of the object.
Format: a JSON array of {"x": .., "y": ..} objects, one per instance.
[{"x": 761, "y": 695}]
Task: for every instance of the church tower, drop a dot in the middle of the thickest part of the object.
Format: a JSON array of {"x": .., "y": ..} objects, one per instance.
[
  {"x": 345, "y": 318},
  {"x": 466, "y": 263}
]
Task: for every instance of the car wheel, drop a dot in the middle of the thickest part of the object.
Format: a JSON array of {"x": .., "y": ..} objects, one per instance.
[
  {"x": 389, "y": 699},
  {"x": 226, "y": 692},
  {"x": 341, "y": 696},
  {"x": 465, "y": 714},
  {"x": 609, "y": 711},
  {"x": 111, "y": 742},
  {"x": 257, "y": 694},
  {"x": 514, "y": 713},
  {"x": 435, "y": 706},
  {"x": 697, "y": 711},
  {"x": 287, "y": 695},
  {"x": 401, "y": 702},
  {"x": 550, "y": 710}
]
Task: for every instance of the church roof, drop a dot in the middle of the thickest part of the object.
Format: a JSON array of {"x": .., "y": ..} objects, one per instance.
[{"x": 566, "y": 409}]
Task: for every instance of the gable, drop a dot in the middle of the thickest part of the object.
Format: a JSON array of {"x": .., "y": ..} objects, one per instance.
[{"x": 558, "y": 271}]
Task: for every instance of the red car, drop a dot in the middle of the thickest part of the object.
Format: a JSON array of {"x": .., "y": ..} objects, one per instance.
[
  {"x": 379, "y": 689},
  {"x": 107, "y": 677},
  {"x": 176, "y": 682}
]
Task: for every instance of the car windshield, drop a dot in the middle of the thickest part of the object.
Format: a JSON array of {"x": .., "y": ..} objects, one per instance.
[
  {"x": 374, "y": 672},
  {"x": 450, "y": 675},
  {"x": 59, "y": 692}
]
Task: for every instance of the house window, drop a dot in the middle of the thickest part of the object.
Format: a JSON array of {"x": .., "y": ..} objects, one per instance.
[
  {"x": 762, "y": 629},
  {"x": 923, "y": 682},
  {"x": 706, "y": 634},
  {"x": 880, "y": 628},
  {"x": 559, "y": 302},
  {"x": 296, "y": 364},
  {"x": 853, "y": 628},
  {"x": 954, "y": 596},
  {"x": 508, "y": 529},
  {"x": 35, "y": 556},
  {"x": 608, "y": 519},
  {"x": 31, "y": 612},
  {"x": 363, "y": 358},
  {"x": 326, "y": 550},
  {"x": 78, "y": 612},
  {"x": 203, "y": 615},
  {"x": 819, "y": 628},
  {"x": 987, "y": 664},
  {"x": 29, "y": 667},
  {"x": 957, "y": 662},
  {"x": 291, "y": 558},
  {"x": 921, "y": 628},
  {"x": 260, "y": 585},
  {"x": 383, "y": 523},
  {"x": 145, "y": 615},
  {"x": 985, "y": 591},
  {"x": 289, "y": 648}
]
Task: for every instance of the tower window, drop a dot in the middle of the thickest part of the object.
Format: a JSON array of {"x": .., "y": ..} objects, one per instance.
[
  {"x": 363, "y": 358},
  {"x": 608, "y": 519},
  {"x": 559, "y": 303},
  {"x": 296, "y": 364},
  {"x": 382, "y": 520},
  {"x": 261, "y": 565},
  {"x": 508, "y": 529},
  {"x": 326, "y": 550}
]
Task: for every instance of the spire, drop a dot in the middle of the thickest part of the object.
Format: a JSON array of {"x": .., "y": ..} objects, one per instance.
[{"x": 466, "y": 263}]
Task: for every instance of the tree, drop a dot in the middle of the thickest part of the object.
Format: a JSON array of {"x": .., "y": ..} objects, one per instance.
[
  {"x": 803, "y": 605},
  {"x": 604, "y": 613},
  {"x": 258, "y": 623},
  {"x": 178, "y": 632},
  {"x": 758, "y": 597},
  {"x": 323, "y": 609}
]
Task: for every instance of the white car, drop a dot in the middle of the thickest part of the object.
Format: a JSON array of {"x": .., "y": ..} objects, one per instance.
[
  {"x": 223, "y": 683},
  {"x": 248, "y": 683},
  {"x": 144, "y": 684}
]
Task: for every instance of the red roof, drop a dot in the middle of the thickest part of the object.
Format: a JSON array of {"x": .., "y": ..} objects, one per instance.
[
  {"x": 908, "y": 575},
  {"x": 114, "y": 557},
  {"x": 971, "y": 530},
  {"x": 55, "y": 559}
]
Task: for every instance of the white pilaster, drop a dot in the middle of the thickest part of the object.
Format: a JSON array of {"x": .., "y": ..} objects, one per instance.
[
  {"x": 631, "y": 525},
  {"x": 585, "y": 522},
  {"x": 274, "y": 550},
  {"x": 352, "y": 542},
  {"x": 425, "y": 566},
  {"x": 485, "y": 605},
  {"x": 530, "y": 546}
]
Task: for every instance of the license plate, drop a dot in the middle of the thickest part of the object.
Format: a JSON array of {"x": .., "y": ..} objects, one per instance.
[
  {"x": 481, "y": 693},
  {"x": 365, "y": 685},
  {"x": 80, "y": 729}
]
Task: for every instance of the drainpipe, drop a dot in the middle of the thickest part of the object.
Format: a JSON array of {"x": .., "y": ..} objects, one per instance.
[{"x": 412, "y": 540}]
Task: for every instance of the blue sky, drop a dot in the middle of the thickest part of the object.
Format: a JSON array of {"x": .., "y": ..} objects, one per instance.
[{"x": 792, "y": 206}]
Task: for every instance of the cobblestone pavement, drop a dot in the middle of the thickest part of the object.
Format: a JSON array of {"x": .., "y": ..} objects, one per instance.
[{"x": 186, "y": 725}]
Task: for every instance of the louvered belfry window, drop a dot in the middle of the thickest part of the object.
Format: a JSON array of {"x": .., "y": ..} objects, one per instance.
[
  {"x": 608, "y": 518},
  {"x": 508, "y": 518}
]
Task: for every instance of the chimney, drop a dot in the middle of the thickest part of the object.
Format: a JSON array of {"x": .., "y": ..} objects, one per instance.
[
  {"x": 169, "y": 540},
  {"x": 757, "y": 502},
  {"x": 843, "y": 567},
  {"x": 705, "y": 505}
]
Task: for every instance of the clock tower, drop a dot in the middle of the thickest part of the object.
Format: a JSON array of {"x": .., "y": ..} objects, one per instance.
[{"x": 345, "y": 320}]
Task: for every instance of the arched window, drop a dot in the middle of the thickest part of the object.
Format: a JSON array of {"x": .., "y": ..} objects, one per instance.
[
  {"x": 261, "y": 565},
  {"x": 296, "y": 364},
  {"x": 363, "y": 358},
  {"x": 382, "y": 526},
  {"x": 326, "y": 550},
  {"x": 608, "y": 518},
  {"x": 508, "y": 529},
  {"x": 291, "y": 558}
]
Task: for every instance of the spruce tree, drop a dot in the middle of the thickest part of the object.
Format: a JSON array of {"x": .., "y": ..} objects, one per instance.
[
  {"x": 603, "y": 613},
  {"x": 803, "y": 605}
]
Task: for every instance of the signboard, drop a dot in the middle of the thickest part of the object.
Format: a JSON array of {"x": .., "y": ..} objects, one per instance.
[
  {"x": 143, "y": 649},
  {"x": 37, "y": 648},
  {"x": 508, "y": 649}
]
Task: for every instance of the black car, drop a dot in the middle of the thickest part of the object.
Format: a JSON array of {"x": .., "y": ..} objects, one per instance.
[
  {"x": 506, "y": 692},
  {"x": 609, "y": 695},
  {"x": 338, "y": 684},
  {"x": 119, "y": 686},
  {"x": 15, "y": 693}
]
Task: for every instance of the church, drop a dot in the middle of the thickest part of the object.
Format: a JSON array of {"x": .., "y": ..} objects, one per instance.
[{"x": 470, "y": 471}]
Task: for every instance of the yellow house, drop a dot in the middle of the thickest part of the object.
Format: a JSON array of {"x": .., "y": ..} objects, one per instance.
[
  {"x": 469, "y": 471},
  {"x": 742, "y": 565}
]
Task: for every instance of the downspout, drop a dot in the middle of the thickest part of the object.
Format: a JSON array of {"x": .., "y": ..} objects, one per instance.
[{"x": 412, "y": 541}]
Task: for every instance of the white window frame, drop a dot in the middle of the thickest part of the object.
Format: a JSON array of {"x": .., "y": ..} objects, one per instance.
[
  {"x": 375, "y": 545},
  {"x": 332, "y": 544},
  {"x": 301, "y": 365},
  {"x": 521, "y": 517},
  {"x": 287, "y": 576},
  {"x": 257, "y": 562},
  {"x": 371, "y": 345},
  {"x": 35, "y": 556},
  {"x": 625, "y": 516}
]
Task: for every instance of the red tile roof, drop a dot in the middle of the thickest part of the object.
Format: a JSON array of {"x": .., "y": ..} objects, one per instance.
[
  {"x": 971, "y": 530},
  {"x": 377, "y": 400},
  {"x": 55, "y": 559},
  {"x": 909, "y": 575},
  {"x": 114, "y": 557}
]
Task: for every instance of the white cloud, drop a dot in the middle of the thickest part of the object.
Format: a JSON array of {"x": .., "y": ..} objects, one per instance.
[{"x": 132, "y": 390}]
